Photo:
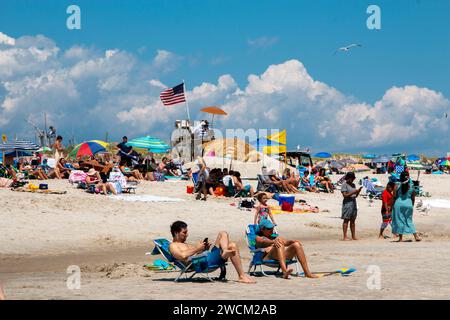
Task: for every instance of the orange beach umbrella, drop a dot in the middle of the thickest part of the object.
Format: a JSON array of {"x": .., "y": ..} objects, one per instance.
[{"x": 214, "y": 111}]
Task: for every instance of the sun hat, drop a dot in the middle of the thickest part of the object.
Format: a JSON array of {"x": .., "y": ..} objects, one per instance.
[{"x": 91, "y": 172}]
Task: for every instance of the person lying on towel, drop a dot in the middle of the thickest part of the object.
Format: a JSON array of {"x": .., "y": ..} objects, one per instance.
[{"x": 222, "y": 250}]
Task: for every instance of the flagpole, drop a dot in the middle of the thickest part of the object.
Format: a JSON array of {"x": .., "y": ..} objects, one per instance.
[{"x": 186, "y": 101}]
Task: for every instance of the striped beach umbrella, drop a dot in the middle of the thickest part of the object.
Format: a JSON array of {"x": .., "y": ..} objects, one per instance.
[
  {"x": 88, "y": 148},
  {"x": 151, "y": 144}
]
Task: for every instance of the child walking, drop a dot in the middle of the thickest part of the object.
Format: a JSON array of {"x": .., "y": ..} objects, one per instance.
[
  {"x": 386, "y": 208},
  {"x": 263, "y": 210}
]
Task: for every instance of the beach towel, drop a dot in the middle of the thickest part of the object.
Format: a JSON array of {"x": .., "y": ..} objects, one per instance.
[
  {"x": 145, "y": 198},
  {"x": 277, "y": 210},
  {"x": 345, "y": 272},
  {"x": 436, "y": 203},
  {"x": 160, "y": 265},
  {"x": 48, "y": 191},
  {"x": 77, "y": 176},
  {"x": 118, "y": 177}
]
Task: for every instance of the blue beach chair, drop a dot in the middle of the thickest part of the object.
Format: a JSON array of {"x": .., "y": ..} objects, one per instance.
[
  {"x": 198, "y": 264},
  {"x": 257, "y": 258}
]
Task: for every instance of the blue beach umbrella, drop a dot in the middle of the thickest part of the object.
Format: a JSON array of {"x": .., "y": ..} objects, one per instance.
[
  {"x": 323, "y": 155},
  {"x": 369, "y": 156},
  {"x": 412, "y": 157}
]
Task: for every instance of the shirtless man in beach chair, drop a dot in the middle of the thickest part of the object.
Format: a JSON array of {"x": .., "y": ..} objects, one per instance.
[{"x": 222, "y": 250}]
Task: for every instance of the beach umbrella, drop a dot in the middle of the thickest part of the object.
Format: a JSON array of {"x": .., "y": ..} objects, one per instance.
[
  {"x": 445, "y": 163},
  {"x": 45, "y": 149},
  {"x": 323, "y": 155},
  {"x": 348, "y": 161},
  {"x": 337, "y": 165},
  {"x": 369, "y": 156},
  {"x": 412, "y": 157},
  {"x": 382, "y": 159},
  {"x": 356, "y": 168},
  {"x": 214, "y": 111},
  {"x": 151, "y": 144},
  {"x": 88, "y": 148},
  {"x": 416, "y": 166}
]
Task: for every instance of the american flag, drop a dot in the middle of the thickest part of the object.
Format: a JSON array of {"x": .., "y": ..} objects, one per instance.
[{"x": 173, "y": 95}]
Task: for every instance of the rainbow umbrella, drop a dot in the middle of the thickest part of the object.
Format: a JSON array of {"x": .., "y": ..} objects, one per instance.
[
  {"x": 88, "y": 148},
  {"x": 445, "y": 163}
]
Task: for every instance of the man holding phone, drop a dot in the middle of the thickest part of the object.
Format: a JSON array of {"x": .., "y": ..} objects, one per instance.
[{"x": 222, "y": 250}]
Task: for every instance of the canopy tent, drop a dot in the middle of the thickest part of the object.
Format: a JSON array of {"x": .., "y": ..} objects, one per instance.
[
  {"x": 18, "y": 154},
  {"x": 151, "y": 144},
  {"x": 18, "y": 145}
]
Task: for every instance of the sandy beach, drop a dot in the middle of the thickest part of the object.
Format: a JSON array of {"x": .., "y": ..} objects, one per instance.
[{"x": 43, "y": 234}]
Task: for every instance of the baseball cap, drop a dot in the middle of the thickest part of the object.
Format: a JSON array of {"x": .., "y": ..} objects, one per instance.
[{"x": 266, "y": 224}]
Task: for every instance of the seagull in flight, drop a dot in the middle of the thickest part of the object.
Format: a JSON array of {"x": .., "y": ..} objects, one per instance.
[{"x": 347, "y": 48}]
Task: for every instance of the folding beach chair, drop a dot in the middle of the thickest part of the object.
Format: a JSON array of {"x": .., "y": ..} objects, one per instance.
[
  {"x": 198, "y": 264},
  {"x": 125, "y": 186},
  {"x": 371, "y": 190},
  {"x": 195, "y": 181},
  {"x": 257, "y": 254},
  {"x": 264, "y": 185}
]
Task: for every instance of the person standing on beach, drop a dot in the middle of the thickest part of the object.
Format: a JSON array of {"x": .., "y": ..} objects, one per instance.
[
  {"x": 402, "y": 212},
  {"x": 386, "y": 208},
  {"x": 58, "y": 147},
  {"x": 349, "y": 206}
]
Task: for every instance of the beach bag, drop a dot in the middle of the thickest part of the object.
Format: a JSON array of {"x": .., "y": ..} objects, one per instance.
[
  {"x": 91, "y": 189},
  {"x": 249, "y": 204},
  {"x": 219, "y": 191},
  {"x": 159, "y": 176}
]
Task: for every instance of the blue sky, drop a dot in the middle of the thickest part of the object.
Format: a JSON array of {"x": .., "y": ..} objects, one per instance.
[{"x": 239, "y": 38}]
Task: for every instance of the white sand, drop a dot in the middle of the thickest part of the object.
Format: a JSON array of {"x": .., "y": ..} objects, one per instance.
[{"x": 41, "y": 235}]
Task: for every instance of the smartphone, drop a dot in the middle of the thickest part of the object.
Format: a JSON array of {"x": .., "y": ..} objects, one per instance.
[{"x": 205, "y": 240}]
